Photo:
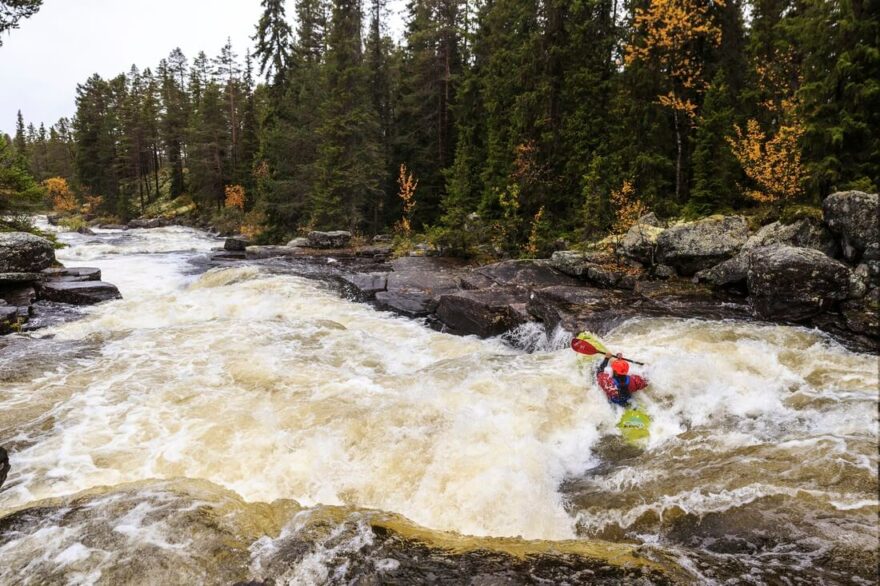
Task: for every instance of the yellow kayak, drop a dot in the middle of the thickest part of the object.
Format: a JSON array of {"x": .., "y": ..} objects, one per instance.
[{"x": 634, "y": 426}]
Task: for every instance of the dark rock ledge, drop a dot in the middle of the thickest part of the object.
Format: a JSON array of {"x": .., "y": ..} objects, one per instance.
[
  {"x": 811, "y": 273},
  {"x": 31, "y": 281}
]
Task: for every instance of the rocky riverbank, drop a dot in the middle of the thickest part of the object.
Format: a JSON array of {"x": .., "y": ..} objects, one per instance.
[
  {"x": 33, "y": 284},
  {"x": 813, "y": 272}
]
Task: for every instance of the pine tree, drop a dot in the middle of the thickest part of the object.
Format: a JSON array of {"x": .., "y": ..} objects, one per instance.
[
  {"x": 12, "y": 12},
  {"x": 348, "y": 169},
  {"x": 20, "y": 140},
  {"x": 274, "y": 39}
]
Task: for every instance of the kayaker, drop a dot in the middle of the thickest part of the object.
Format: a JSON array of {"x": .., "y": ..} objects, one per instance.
[{"x": 620, "y": 385}]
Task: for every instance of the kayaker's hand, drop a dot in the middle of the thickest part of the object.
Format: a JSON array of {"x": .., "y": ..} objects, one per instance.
[{"x": 608, "y": 355}]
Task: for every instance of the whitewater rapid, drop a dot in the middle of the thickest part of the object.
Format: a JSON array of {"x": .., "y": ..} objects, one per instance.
[{"x": 272, "y": 386}]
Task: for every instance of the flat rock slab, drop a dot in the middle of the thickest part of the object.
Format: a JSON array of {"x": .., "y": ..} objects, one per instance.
[
  {"x": 72, "y": 274},
  {"x": 364, "y": 286},
  {"x": 20, "y": 277},
  {"x": 487, "y": 312},
  {"x": 415, "y": 284},
  {"x": 532, "y": 274},
  {"x": 78, "y": 292}
]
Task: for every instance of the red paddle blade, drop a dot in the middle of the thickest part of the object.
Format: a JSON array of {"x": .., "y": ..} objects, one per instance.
[{"x": 583, "y": 347}]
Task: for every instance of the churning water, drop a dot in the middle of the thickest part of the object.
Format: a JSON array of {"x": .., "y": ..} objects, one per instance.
[{"x": 247, "y": 423}]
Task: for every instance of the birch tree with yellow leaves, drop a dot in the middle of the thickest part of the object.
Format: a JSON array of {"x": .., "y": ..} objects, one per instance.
[{"x": 669, "y": 34}]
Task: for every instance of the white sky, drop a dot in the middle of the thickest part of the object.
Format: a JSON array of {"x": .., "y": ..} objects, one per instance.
[{"x": 68, "y": 40}]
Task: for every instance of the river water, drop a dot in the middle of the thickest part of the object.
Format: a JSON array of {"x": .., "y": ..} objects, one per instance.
[{"x": 247, "y": 423}]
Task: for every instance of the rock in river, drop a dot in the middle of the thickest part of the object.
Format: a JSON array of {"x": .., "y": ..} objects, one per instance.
[
  {"x": 21, "y": 252},
  {"x": 78, "y": 292},
  {"x": 487, "y": 312},
  {"x": 334, "y": 239},
  {"x": 4, "y": 465}
]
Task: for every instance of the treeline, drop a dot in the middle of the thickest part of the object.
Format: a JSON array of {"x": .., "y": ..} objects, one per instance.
[{"x": 520, "y": 120}]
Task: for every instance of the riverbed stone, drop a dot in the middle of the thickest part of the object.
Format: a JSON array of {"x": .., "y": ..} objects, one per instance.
[
  {"x": 854, "y": 216},
  {"x": 487, "y": 312},
  {"x": 332, "y": 239},
  {"x": 793, "y": 284},
  {"x": 72, "y": 274},
  {"x": 694, "y": 246},
  {"x": 78, "y": 292},
  {"x": 364, "y": 286},
  {"x": 236, "y": 243},
  {"x": 21, "y": 252}
]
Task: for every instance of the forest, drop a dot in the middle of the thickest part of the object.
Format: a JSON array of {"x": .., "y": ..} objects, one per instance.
[{"x": 509, "y": 123}]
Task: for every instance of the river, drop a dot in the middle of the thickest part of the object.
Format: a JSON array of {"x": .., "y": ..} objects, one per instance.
[{"x": 246, "y": 423}]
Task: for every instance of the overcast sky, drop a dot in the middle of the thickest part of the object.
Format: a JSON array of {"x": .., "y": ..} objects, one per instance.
[{"x": 68, "y": 40}]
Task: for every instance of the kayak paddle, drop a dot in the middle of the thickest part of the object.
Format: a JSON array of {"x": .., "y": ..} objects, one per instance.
[{"x": 582, "y": 346}]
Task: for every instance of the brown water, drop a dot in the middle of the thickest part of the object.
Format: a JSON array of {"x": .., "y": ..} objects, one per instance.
[{"x": 247, "y": 424}]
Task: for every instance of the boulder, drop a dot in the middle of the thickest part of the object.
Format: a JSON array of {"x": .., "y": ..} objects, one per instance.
[
  {"x": 694, "y": 246},
  {"x": 21, "y": 252},
  {"x": 53, "y": 219},
  {"x": 364, "y": 286},
  {"x": 260, "y": 252},
  {"x": 148, "y": 223},
  {"x": 863, "y": 315},
  {"x": 485, "y": 313},
  {"x": 78, "y": 292},
  {"x": 575, "y": 309},
  {"x": 236, "y": 244},
  {"x": 804, "y": 232},
  {"x": 730, "y": 272},
  {"x": 530, "y": 274},
  {"x": 300, "y": 242},
  {"x": 112, "y": 227},
  {"x": 680, "y": 298},
  {"x": 640, "y": 242},
  {"x": 794, "y": 284},
  {"x": 415, "y": 285},
  {"x": 4, "y": 465},
  {"x": 854, "y": 216},
  {"x": 334, "y": 239},
  {"x": 662, "y": 271},
  {"x": 382, "y": 238},
  {"x": 9, "y": 278}
]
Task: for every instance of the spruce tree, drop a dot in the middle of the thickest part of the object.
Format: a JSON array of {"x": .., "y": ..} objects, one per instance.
[{"x": 274, "y": 38}]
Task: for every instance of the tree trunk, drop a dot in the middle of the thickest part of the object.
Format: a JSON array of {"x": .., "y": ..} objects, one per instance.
[{"x": 678, "y": 156}]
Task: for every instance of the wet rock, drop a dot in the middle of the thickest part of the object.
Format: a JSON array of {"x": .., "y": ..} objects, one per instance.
[
  {"x": 364, "y": 286},
  {"x": 531, "y": 274},
  {"x": 863, "y": 315},
  {"x": 21, "y": 252},
  {"x": 112, "y": 227},
  {"x": 854, "y": 216},
  {"x": 4, "y": 465},
  {"x": 680, "y": 298},
  {"x": 793, "y": 284},
  {"x": 78, "y": 292},
  {"x": 487, "y": 312},
  {"x": 416, "y": 283},
  {"x": 333, "y": 239},
  {"x": 581, "y": 308},
  {"x": 804, "y": 232},
  {"x": 236, "y": 244},
  {"x": 300, "y": 242},
  {"x": 694, "y": 246},
  {"x": 53, "y": 219},
  {"x": 376, "y": 251}
]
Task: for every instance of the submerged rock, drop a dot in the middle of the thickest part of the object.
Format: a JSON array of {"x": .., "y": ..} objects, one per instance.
[
  {"x": 695, "y": 246},
  {"x": 78, "y": 292},
  {"x": 21, "y": 252},
  {"x": 793, "y": 284},
  {"x": 854, "y": 216}
]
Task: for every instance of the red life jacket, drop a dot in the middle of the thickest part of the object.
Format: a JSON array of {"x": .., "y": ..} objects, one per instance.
[{"x": 606, "y": 382}]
